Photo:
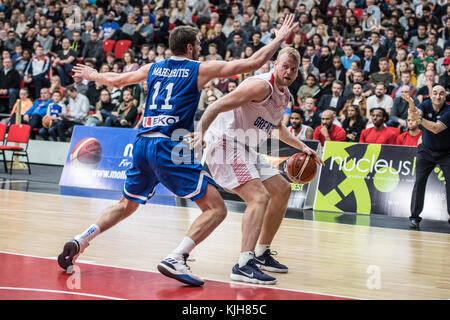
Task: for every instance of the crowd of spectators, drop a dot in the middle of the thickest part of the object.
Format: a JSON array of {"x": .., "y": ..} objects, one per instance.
[{"x": 358, "y": 58}]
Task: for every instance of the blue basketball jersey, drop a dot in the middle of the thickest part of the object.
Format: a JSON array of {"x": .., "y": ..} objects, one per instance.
[{"x": 172, "y": 97}]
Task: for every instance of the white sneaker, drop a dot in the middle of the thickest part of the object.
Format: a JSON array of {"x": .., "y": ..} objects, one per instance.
[{"x": 179, "y": 270}]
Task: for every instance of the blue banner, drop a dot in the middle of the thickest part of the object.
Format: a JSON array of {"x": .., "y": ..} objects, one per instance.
[{"x": 99, "y": 158}]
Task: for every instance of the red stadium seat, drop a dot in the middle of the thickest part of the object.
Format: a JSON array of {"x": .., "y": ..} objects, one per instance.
[
  {"x": 108, "y": 46},
  {"x": 358, "y": 13},
  {"x": 121, "y": 47},
  {"x": 18, "y": 133},
  {"x": 2, "y": 138}
]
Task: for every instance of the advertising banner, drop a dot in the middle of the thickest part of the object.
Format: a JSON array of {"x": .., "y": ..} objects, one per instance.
[
  {"x": 99, "y": 157},
  {"x": 375, "y": 179}
]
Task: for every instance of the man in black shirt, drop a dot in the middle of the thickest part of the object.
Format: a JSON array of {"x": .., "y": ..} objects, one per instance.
[
  {"x": 434, "y": 115},
  {"x": 64, "y": 62}
]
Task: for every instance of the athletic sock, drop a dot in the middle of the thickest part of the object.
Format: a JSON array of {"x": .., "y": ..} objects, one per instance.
[
  {"x": 244, "y": 257},
  {"x": 185, "y": 246},
  {"x": 89, "y": 234},
  {"x": 260, "y": 249}
]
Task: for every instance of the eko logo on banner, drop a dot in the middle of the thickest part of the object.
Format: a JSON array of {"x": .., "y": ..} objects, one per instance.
[{"x": 375, "y": 179}]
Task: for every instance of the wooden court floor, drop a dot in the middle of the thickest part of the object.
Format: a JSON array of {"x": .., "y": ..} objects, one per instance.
[{"x": 326, "y": 258}]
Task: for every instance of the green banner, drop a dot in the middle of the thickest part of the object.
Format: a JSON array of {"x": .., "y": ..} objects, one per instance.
[{"x": 375, "y": 179}]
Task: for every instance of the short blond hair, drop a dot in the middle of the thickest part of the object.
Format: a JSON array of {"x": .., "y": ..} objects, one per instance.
[{"x": 291, "y": 52}]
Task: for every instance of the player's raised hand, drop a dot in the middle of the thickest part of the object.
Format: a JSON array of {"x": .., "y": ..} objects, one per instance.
[
  {"x": 84, "y": 72},
  {"x": 288, "y": 26}
]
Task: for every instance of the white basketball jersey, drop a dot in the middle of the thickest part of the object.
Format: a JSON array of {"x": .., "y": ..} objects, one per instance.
[
  {"x": 302, "y": 133},
  {"x": 255, "y": 121}
]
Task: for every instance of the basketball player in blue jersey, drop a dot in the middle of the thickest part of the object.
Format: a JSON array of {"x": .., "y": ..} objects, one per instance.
[{"x": 174, "y": 87}]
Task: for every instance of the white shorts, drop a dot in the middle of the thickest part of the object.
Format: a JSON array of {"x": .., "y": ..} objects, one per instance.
[{"x": 232, "y": 164}]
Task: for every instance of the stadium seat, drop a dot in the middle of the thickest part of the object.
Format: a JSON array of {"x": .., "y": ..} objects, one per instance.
[
  {"x": 108, "y": 46},
  {"x": 2, "y": 138},
  {"x": 121, "y": 47},
  {"x": 358, "y": 13},
  {"x": 18, "y": 133}
]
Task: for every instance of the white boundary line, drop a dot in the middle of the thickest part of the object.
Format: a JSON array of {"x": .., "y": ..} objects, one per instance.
[
  {"x": 222, "y": 281},
  {"x": 59, "y": 291}
]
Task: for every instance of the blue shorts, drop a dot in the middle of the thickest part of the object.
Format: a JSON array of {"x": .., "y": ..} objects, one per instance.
[{"x": 163, "y": 160}]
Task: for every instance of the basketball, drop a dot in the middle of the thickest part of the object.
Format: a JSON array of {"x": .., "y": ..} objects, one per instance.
[
  {"x": 88, "y": 152},
  {"x": 47, "y": 122},
  {"x": 301, "y": 168}
]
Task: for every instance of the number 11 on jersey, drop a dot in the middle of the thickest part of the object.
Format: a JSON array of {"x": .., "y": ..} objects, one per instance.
[{"x": 166, "y": 105}]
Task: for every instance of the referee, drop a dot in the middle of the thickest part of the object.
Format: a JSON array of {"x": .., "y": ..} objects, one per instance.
[{"x": 434, "y": 114}]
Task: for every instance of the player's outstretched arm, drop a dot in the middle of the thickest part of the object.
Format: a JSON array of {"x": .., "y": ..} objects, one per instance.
[
  {"x": 116, "y": 80},
  {"x": 223, "y": 69},
  {"x": 254, "y": 90},
  {"x": 284, "y": 135}
]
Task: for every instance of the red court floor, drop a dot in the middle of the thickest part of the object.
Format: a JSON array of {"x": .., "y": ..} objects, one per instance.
[{"x": 27, "y": 277}]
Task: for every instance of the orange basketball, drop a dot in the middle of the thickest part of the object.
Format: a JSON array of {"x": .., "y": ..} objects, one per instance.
[
  {"x": 47, "y": 122},
  {"x": 301, "y": 168}
]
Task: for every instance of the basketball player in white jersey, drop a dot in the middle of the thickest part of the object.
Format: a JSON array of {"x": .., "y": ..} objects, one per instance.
[
  {"x": 297, "y": 128},
  {"x": 237, "y": 123}
]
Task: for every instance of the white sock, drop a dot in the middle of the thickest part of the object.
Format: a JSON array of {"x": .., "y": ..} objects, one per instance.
[
  {"x": 185, "y": 246},
  {"x": 260, "y": 249},
  {"x": 89, "y": 234},
  {"x": 244, "y": 257}
]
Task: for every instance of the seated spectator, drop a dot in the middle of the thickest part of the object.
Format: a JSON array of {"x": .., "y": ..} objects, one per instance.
[
  {"x": 353, "y": 124},
  {"x": 94, "y": 49},
  {"x": 421, "y": 80},
  {"x": 33, "y": 117},
  {"x": 208, "y": 90},
  {"x": 55, "y": 85},
  {"x": 25, "y": 105},
  {"x": 338, "y": 69},
  {"x": 354, "y": 66},
  {"x": 379, "y": 100},
  {"x": 55, "y": 111},
  {"x": 78, "y": 109},
  {"x": 143, "y": 32},
  {"x": 161, "y": 27},
  {"x": 45, "y": 39},
  {"x": 9, "y": 85},
  {"x": 325, "y": 61},
  {"x": 298, "y": 129},
  {"x": 358, "y": 100},
  {"x": 64, "y": 61},
  {"x": 349, "y": 56},
  {"x": 369, "y": 62},
  {"x": 124, "y": 114},
  {"x": 399, "y": 113},
  {"x": 37, "y": 71},
  {"x": 405, "y": 82},
  {"x": 308, "y": 90},
  {"x": 21, "y": 63},
  {"x": 307, "y": 68},
  {"x": 410, "y": 137},
  {"x": 423, "y": 93},
  {"x": 212, "y": 53},
  {"x": 110, "y": 27},
  {"x": 129, "y": 63},
  {"x": 326, "y": 86},
  {"x": 328, "y": 131},
  {"x": 77, "y": 44},
  {"x": 335, "y": 100},
  {"x": 379, "y": 50},
  {"x": 445, "y": 78},
  {"x": 125, "y": 32},
  {"x": 80, "y": 86},
  {"x": 379, "y": 133},
  {"x": 312, "y": 119},
  {"x": 235, "y": 48},
  {"x": 383, "y": 75},
  {"x": 358, "y": 77},
  {"x": 103, "y": 110}
]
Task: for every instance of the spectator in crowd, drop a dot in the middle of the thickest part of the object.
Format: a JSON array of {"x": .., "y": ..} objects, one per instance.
[
  {"x": 124, "y": 114},
  {"x": 37, "y": 71},
  {"x": 308, "y": 90},
  {"x": 25, "y": 105},
  {"x": 45, "y": 39},
  {"x": 77, "y": 111},
  {"x": 109, "y": 28},
  {"x": 161, "y": 27},
  {"x": 379, "y": 133},
  {"x": 328, "y": 131},
  {"x": 297, "y": 128},
  {"x": 445, "y": 78},
  {"x": 33, "y": 117},
  {"x": 335, "y": 100},
  {"x": 379, "y": 100},
  {"x": 369, "y": 62},
  {"x": 9, "y": 85},
  {"x": 399, "y": 113},
  {"x": 235, "y": 48},
  {"x": 349, "y": 56},
  {"x": 208, "y": 90},
  {"x": 312, "y": 119},
  {"x": 379, "y": 50},
  {"x": 358, "y": 100},
  {"x": 55, "y": 111},
  {"x": 423, "y": 93},
  {"x": 405, "y": 82},
  {"x": 103, "y": 110},
  {"x": 353, "y": 124},
  {"x": 143, "y": 32},
  {"x": 129, "y": 63},
  {"x": 65, "y": 60},
  {"x": 338, "y": 69},
  {"x": 77, "y": 45},
  {"x": 94, "y": 49},
  {"x": 325, "y": 61},
  {"x": 412, "y": 136},
  {"x": 383, "y": 75},
  {"x": 12, "y": 42},
  {"x": 358, "y": 77}
]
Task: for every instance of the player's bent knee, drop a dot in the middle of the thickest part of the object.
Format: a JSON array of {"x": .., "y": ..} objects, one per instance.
[
  {"x": 262, "y": 198},
  {"x": 128, "y": 207}
]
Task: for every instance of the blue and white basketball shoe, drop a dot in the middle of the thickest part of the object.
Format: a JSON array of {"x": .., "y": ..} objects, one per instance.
[
  {"x": 251, "y": 273},
  {"x": 179, "y": 270},
  {"x": 268, "y": 263}
]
